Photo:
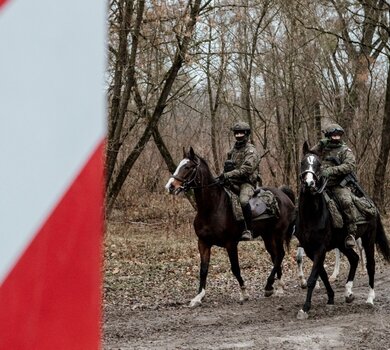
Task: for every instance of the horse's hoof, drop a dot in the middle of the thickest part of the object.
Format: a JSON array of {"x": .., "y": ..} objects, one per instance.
[
  {"x": 370, "y": 302},
  {"x": 268, "y": 293},
  {"x": 279, "y": 292},
  {"x": 304, "y": 285},
  {"x": 194, "y": 304},
  {"x": 302, "y": 315},
  {"x": 349, "y": 299},
  {"x": 243, "y": 299}
]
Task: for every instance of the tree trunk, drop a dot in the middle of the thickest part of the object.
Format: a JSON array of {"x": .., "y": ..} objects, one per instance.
[
  {"x": 381, "y": 164},
  {"x": 182, "y": 49}
]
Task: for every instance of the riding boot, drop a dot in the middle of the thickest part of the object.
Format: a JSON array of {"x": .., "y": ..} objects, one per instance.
[
  {"x": 350, "y": 239},
  {"x": 247, "y": 233}
]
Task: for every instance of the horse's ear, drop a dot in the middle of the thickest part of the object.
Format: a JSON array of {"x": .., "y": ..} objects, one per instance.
[
  {"x": 305, "y": 148},
  {"x": 191, "y": 153}
]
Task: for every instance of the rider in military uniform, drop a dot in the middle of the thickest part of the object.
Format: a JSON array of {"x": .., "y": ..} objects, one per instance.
[
  {"x": 337, "y": 162},
  {"x": 241, "y": 170}
]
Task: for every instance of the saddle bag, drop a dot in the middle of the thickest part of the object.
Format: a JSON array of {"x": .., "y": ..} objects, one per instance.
[{"x": 337, "y": 219}]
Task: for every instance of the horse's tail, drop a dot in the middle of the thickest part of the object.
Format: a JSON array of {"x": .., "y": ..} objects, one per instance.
[
  {"x": 381, "y": 239},
  {"x": 291, "y": 228},
  {"x": 289, "y": 192}
]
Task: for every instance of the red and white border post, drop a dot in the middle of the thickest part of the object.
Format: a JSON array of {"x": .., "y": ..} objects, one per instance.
[{"x": 52, "y": 129}]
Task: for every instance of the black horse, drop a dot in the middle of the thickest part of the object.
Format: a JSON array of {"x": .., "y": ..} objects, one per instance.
[
  {"x": 215, "y": 223},
  {"x": 316, "y": 234}
]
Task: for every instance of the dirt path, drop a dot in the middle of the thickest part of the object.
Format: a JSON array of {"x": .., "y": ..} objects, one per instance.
[{"x": 260, "y": 323}]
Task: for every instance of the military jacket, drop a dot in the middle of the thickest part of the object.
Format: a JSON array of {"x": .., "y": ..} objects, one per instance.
[
  {"x": 331, "y": 154},
  {"x": 246, "y": 161}
]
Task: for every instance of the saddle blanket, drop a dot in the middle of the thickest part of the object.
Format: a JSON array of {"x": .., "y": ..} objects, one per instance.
[{"x": 263, "y": 204}]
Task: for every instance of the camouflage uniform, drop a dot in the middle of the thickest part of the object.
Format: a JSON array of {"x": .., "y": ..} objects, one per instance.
[
  {"x": 246, "y": 160},
  {"x": 327, "y": 150},
  {"x": 243, "y": 172}
]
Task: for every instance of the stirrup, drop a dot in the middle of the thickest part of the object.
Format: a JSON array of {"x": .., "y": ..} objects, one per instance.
[
  {"x": 246, "y": 235},
  {"x": 349, "y": 241}
]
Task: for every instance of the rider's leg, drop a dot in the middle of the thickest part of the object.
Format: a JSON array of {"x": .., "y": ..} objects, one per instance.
[
  {"x": 246, "y": 192},
  {"x": 344, "y": 197}
]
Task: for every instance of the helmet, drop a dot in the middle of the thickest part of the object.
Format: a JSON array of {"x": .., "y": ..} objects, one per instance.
[
  {"x": 241, "y": 126},
  {"x": 333, "y": 129}
]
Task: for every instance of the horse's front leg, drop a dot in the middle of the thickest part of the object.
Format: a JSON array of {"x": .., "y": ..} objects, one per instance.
[
  {"x": 318, "y": 263},
  {"x": 235, "y": 266},
  {"x": 325, "y": 280},
  {"x": 204, "y": 251}
]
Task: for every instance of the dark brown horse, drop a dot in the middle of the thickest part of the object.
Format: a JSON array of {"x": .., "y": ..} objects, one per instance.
[
  {"x": 215, "y": 223},
  {"x": 316, "y": 234}
]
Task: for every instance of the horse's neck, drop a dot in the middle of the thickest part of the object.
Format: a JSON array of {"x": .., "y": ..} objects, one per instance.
[
  {"x": 208, "y": 197},
  {"x": 311, "y": 207}
]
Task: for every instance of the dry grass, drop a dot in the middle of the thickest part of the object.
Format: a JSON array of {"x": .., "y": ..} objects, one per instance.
[{"x": 151, "y": 258}]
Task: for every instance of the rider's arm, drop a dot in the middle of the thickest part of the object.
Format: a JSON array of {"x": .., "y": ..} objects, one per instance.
[
  {"x": 348, "y": 163},
  {"x": 247, "y": 167}
]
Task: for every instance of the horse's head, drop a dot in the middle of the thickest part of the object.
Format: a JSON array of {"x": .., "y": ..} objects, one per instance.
[
  {"x": 310, "y": 172},
  {"x": 184, "y": 174}
]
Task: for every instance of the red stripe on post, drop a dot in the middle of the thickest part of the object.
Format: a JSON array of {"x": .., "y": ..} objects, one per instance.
[{"x": 51, "y": 299}]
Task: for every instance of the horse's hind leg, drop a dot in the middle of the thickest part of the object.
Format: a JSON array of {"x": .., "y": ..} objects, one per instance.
[
  {"x": 353, "y": 259},
  {"x": 336, "y": 271},
  {"x": 277, "y": 256},
  {"x": 370, "y": 265},
  {"x": 299, "y": 260},
  {"x": 235, "y": 266},
  {"x": 204, "y": 251}
]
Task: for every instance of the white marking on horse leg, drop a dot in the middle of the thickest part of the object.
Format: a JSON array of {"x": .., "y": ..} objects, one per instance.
[
  {"x": 349, "y": 297},
  {"x": 348, "y": 288},
  {"x": 279, "y": 287},
  {"x": 302, "y": 315},
  {"x": 371, "y": 297},
  {"x": 243, "y": 294},
  {"x": 198, "y": 299},
  {"x": 336, "y": 271}
]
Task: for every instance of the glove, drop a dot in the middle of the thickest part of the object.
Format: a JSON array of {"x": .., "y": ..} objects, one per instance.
[
  {"x": 327, "y": 172},
  {"x": 222, "y": 179},
  {"x": 229, "y": 166}
]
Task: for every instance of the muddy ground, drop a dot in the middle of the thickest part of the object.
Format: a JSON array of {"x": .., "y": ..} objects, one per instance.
[
  {"x": 151, "y": 275},
  {"x": 261, "y": 323}
]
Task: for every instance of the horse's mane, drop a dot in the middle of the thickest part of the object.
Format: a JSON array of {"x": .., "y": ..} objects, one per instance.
[{"x": 204, "y": 162}]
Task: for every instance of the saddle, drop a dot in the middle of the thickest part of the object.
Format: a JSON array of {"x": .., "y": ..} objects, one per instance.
[{"x": 263, "y": 204}]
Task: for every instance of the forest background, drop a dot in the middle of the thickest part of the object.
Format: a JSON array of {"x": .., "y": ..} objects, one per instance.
[{"x": 181, "y": 72}]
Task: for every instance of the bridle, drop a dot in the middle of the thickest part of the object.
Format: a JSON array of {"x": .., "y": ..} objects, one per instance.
[
  {"x": 186, "y": 182},
  {"x": 189, "y": 183},
  {"x": 318, "y": 179}
]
